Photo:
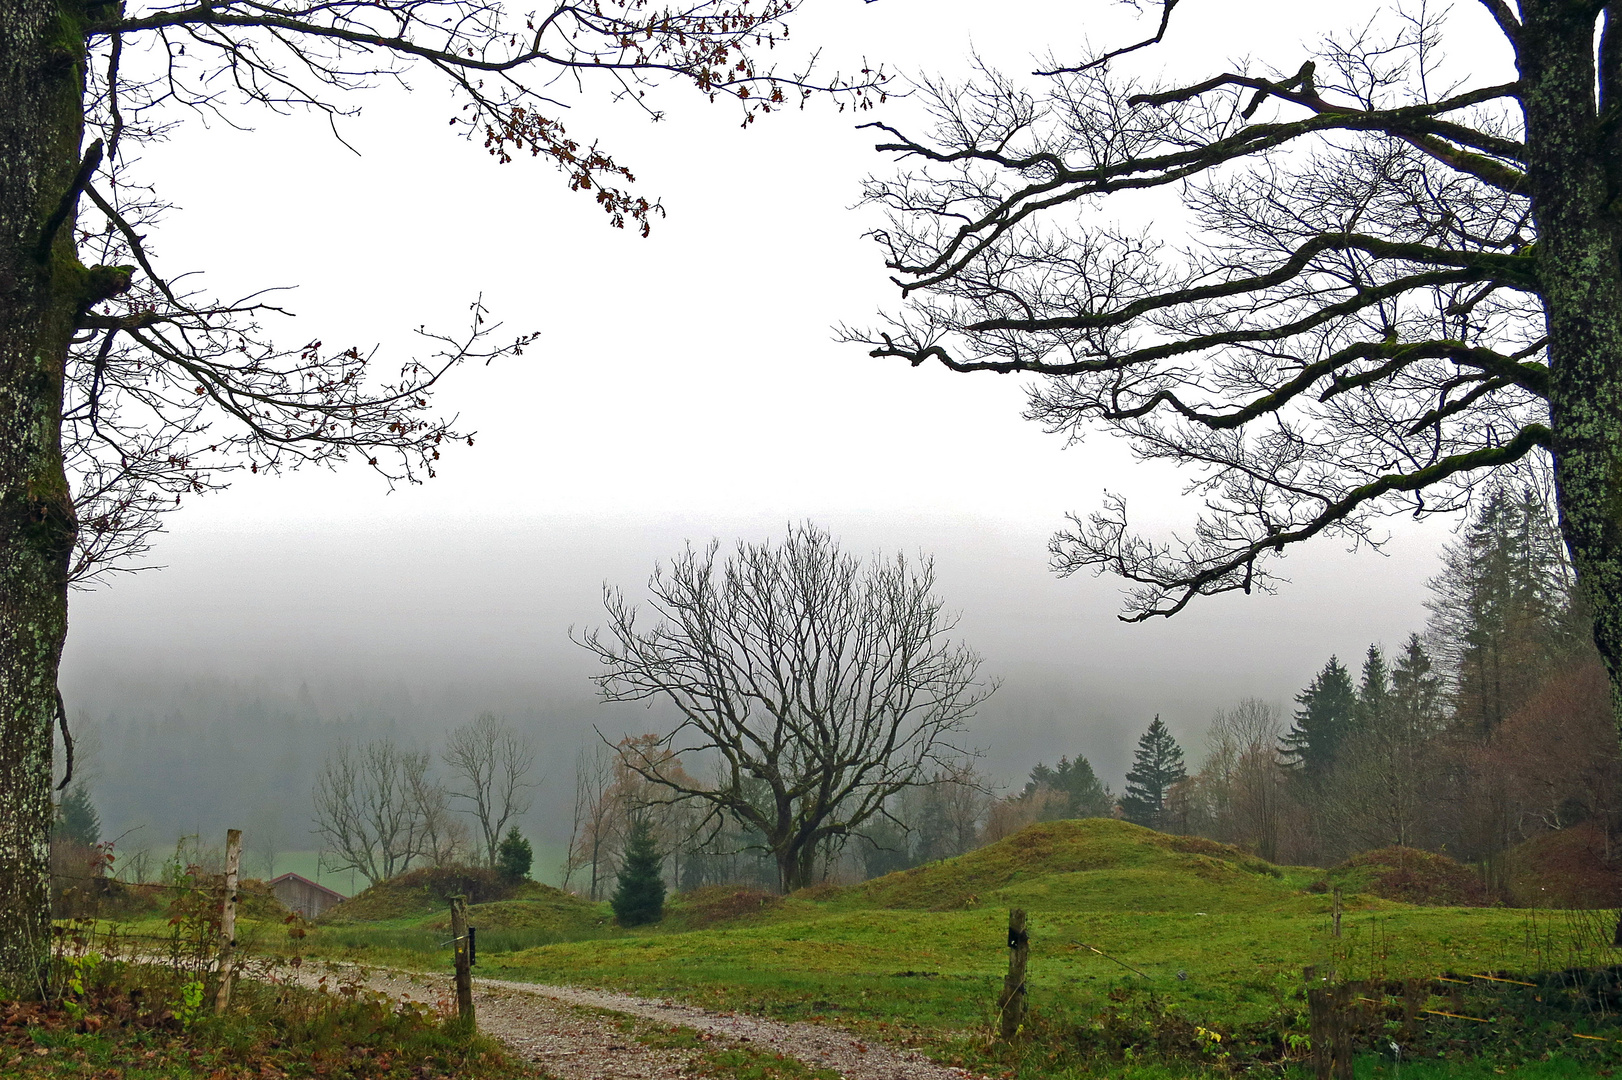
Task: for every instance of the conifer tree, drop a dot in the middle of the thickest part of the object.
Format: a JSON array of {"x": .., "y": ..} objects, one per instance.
[
  {"x": 514, "y": 856},
  {"x": 640, "y": 897},
  {"x": 1416, "y": 691},
  {"x": 1377, "y": 792},
  {"x": 1503, "y": 610},
  {"x": 1082, "y": 794},
  {"x": 1328, "y": 707},
  {"x": 76, "y": 818},
  {"x": 1157, "y": 765},
  {"x": 1373, "y": 692}
]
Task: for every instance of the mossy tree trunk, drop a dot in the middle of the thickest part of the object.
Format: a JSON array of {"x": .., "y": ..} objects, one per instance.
[
  {"x": 1574, "y": 172},
  {"x": 42, "y": 286},
  {"x": 1575, "y": 176}
]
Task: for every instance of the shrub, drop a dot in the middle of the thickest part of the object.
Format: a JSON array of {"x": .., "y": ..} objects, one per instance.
[{"x": 640, "y": 897}]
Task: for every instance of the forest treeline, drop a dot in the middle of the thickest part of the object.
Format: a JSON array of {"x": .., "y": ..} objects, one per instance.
[{"x": 1486, "y": 728}]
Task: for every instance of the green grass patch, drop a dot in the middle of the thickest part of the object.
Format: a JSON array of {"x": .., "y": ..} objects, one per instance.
[{"x": 1174, "y": 932}]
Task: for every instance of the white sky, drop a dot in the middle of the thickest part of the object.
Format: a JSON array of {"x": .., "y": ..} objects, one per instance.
[{"x": 686, "y": 386}]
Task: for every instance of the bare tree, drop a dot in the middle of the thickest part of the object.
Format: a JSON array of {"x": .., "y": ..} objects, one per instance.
[
  {"x": 366, "y": 811},
  {"x": 490, "y": 763},
  {"x": 588, "y": 832},
  {"x": 819, "y": 686},
  {"x": 445, "y": 840},
  {"x": 1240, "y": 776},
  {"x": 1402, "y": 279},
  {"x": 124, "y": 389}
]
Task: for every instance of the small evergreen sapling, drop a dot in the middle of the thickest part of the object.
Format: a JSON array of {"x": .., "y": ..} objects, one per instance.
[
  {"x": 640, "y": 897},
  {"x": 514, "y": 857}
]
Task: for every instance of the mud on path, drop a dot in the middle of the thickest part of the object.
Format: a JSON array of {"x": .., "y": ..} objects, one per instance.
[{"x": 576, "y": 1034}]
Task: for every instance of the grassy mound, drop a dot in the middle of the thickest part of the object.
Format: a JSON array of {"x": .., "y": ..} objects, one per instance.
[
  {"x": 1571, "y": 868},
  {"x": 1411, "y": 876},
  {"x": 715, "y": 905},
  {"x": 424, "y": 891},
  {"x": 533, "y": 907},
  {"x": 1096, "y": 864}
]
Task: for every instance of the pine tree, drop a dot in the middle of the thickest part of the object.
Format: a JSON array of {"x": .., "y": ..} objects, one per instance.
[
  {"x": 1376, "y": 795},
  {"x": 1328, "y": 710},
  {"x": 1416, "y": 691},
  {"x": 1373, "y": 692},
  {"x": 1082, "y": 794},
  {"x": 640, "y": 897},
  {"x": 1503, "y": 609},
  {"x": 1157, "y": 765},
  {"x": 514, "y": 856},
  {"x": 76, "y": 818}
]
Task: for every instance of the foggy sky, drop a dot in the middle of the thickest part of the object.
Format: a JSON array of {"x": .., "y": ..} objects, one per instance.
[{"x": 684, "y": 387}]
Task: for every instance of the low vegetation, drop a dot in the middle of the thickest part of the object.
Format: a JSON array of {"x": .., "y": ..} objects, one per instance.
[{"x": 117, "y": 1020}]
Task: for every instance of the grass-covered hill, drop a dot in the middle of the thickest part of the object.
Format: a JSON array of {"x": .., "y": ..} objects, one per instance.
[{"x": 1095, "y": 864}]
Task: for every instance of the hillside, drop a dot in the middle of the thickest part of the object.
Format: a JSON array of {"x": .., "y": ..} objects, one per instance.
[{"x": 1094, "y": 864}]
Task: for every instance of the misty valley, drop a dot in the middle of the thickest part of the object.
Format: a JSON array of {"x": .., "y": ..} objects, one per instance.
[{"x": 810, "y": 540}]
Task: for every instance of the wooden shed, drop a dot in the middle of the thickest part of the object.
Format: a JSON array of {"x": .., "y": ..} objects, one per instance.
[{"x": 304, "y": 896}]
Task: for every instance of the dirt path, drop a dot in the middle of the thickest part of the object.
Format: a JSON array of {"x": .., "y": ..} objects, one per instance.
[{"x": 561, "y": 1029}]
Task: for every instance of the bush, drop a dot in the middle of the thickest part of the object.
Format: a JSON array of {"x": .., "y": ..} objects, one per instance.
[
  {"x": 640, "y": 897},
  {"x": 513, "y": 857}
]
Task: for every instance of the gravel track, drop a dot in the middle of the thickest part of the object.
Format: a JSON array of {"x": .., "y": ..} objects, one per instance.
[{"x": 561, "y": 1030}]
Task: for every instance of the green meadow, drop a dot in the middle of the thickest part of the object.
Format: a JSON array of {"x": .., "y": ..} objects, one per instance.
[{"x": 1137, "y": 940}]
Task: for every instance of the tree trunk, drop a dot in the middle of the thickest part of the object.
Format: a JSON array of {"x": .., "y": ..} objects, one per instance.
[
  {"x": 796, "y": 867},
  {"x": 1574, "y": 169},
  {"x": 1573, "y": 175},
  {"x": 41, "y": 124}
]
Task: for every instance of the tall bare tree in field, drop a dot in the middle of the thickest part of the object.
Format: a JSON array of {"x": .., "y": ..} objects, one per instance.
[
  {"x": 369, "y": 810},
  {"x": 122, "y": 389},
  {"x": 490, "y": 763},
  {"x": 818, "y": 686},
  {"x": 589, "y": 840},
  {"x": 1403, "y": 279}
]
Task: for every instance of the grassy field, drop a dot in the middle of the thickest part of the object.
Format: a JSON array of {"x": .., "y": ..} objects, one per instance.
[{"x": 1128, "y": 927}]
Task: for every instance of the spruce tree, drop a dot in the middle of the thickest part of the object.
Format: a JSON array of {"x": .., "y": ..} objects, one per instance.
[
  {"x": 1083, "y": 795},
  {"x": 514, "y": 856},
  {"x": 1328, "y": 709},
  {"x": 640, "y": 897},
  {"x": 1157, "y": 765},
  {"x": 76, "y": 818},
  {"x": 1503, "y": 609},
  {"x": 1373, "y": 692},
  {"x": 1416, "y": 691}
]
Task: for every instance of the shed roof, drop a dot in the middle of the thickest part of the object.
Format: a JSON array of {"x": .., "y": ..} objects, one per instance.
[{"x": 273, "y": 882}]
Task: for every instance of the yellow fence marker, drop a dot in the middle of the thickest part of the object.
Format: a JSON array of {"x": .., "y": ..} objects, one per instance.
[{"x": 1456, "y": 1016}]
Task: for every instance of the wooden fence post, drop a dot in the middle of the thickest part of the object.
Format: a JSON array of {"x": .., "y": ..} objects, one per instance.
[
  {"x": 228, "y": 917},
  {"x": 1011, "y": 1005},
  {"x": 464, "y": 974}
]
